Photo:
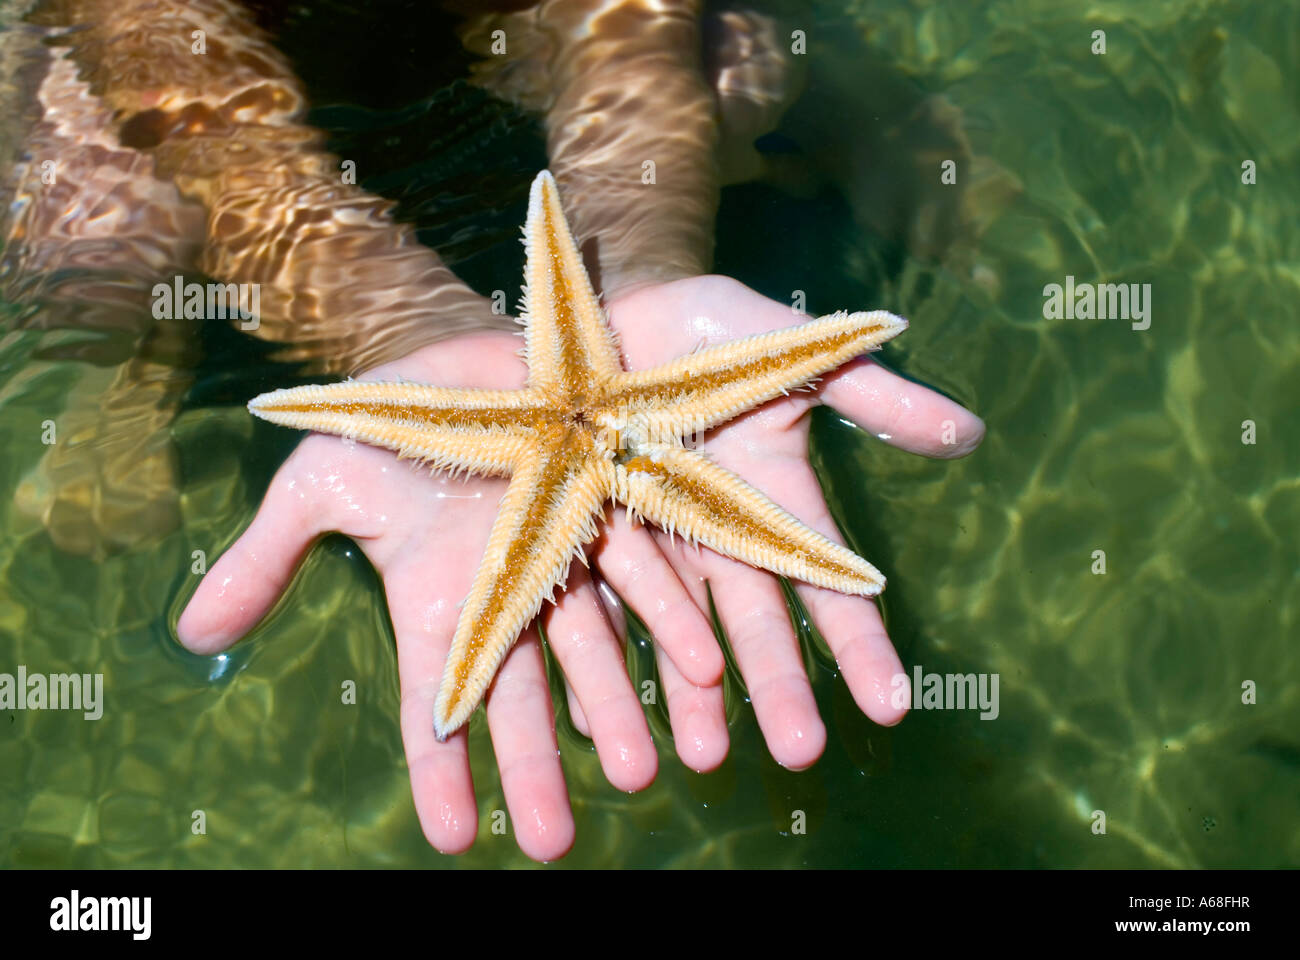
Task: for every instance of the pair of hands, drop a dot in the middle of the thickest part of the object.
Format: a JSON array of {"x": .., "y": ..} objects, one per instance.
[{"x": 425, "y": 536}]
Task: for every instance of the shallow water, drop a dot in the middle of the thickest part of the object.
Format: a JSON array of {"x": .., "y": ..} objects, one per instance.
[{"x": 1119, "y": 692}]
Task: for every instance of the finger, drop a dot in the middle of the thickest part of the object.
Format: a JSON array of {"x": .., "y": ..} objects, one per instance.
[
  {"x": 522, "y": 723},
  {"x": 631, "y": 561},
  {"x": 612, "y": 604},
  {"x": 424, "y": 619},
  {"x": 589, "y": 655},
  {"x": 245, "y": 583},
  {"x": 697, "y": 715},
  {"x": 757, "y": 622},
  {"x": 905, "y": 414},
  {"x": 576, "y": 716},
  {"x": 851, "y": 625},
  {"x": 442, "y": 786},
  {"x": 866, "y": 658}
]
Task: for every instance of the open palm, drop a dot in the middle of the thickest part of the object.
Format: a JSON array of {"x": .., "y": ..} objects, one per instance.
[{"x": 425, "y": 536}]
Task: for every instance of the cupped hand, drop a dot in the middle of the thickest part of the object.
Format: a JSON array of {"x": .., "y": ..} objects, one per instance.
[{"x": 425, "y": 535}]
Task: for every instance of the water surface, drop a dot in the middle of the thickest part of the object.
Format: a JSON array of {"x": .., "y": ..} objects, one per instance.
[{"x": 1120, "y": 692}]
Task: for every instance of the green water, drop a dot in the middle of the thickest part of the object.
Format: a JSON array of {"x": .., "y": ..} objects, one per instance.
[{"x": 1120, "y": 692}]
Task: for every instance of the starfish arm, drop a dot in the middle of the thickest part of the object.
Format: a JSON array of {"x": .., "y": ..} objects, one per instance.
[
  {"x": 709, "y": 387},
  {"x": 568, "y": 341},
  {"x": 685, "y": 492},
  {"x": 478, "y": 431},
  {"x": 547, "y": 514}
]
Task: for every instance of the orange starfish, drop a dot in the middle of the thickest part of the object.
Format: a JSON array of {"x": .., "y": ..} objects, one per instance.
[{"x": 583, "y": 431}]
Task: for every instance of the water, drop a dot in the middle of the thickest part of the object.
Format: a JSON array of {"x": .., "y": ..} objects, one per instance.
[{"x": 1120, "y": 692}]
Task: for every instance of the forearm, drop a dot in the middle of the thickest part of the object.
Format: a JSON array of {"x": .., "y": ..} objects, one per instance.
[
  {"x": 631, "y": 126},
  {"x": 339, "y": 281}
]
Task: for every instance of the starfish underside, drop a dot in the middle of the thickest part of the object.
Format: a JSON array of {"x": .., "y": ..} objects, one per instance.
[{"x": 583, "y": 431}]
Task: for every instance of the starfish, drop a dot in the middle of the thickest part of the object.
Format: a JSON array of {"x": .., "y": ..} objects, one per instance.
[{"x": 583, "y": 431}]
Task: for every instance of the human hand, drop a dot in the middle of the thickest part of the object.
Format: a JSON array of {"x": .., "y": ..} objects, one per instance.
[
  {"x": 768, "y": 447},
  {"x": 419, "y": 533}
]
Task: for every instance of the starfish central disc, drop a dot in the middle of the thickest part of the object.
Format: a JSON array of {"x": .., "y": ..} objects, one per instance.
[{"x": 584, "y": 431}]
